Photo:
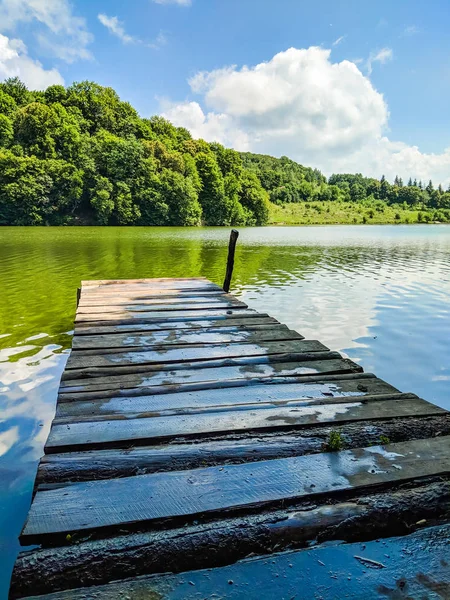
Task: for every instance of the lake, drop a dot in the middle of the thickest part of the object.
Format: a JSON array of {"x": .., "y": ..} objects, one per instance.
[{"x": 380, "y": 295}]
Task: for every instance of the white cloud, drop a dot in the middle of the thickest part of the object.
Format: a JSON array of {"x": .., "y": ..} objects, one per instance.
[
  {"x": 116, "y": 28},
  {"x": 14, "y": 61},
  {"x": 382, "y": 56},
  {"x": 410, "y": 30},
  {"x": 339, "y": 40},
  {"x": 66, "y": 35},
  {"x": 301, "y": 104},
  {"x": 179, "y": 2},
  {"x": 158, "y": 42}
]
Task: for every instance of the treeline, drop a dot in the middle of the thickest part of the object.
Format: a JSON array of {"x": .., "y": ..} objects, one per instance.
[
  {"x": 286, "y": 181},
  {"x": 80, "y": 155}
]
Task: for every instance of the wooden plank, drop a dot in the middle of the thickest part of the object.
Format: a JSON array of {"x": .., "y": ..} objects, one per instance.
[
  {"x": 145, "y": 498},
  {"x": 125, "y": 317},
  {"x": 135, "y": 293},
  {"x": 137, "y": 408},
  {"x": 189, "y": 301},
  {"x": 149, "y": 307},
  {"x": 407, "y": 567},
  {"x": 329, "y": 363},
  {"x": 213, "y": 544},
  {"x": 106, "y": 464},
  {"x": 146, "y": 429},
  {"x": 167, "y": 354},
  {"x": 182, "y": 284},
  {"x": 229, "y": 324},
  {"x": 242, "y": 361},
  {"x": 254, "y": 389},
  {"x": 280, "y": 332}
]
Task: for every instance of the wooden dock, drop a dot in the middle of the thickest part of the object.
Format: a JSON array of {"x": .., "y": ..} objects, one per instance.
[{"x": 192, "y": 432}]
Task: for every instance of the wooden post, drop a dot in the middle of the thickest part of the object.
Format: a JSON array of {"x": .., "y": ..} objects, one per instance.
[
  {"x": 230, "y": 262},
  {"x": 78, "y": 296}
]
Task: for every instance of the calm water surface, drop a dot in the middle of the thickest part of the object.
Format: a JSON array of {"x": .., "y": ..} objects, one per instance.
[{"x": 380, "y": 295}]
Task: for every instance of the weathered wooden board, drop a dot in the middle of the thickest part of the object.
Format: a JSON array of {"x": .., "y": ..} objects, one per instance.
[
  {"x": 145, "y": 428},
  {"x": 167, "y": 354},
  {"x": 134, "y": 293},
  {"x": 172, "y": 282},
  {"x": 125, "y": 340},
  {"x": 148, "y": 307},
  {"x": 245, "y": 362},
  {"x": 254, "y": 390},
  {"x": 406, "y": 567},
  {"x": 328, "y": 363},
  {"x": 135, "y": 407},
  {"x": 230, "y": 323},
  {"x": 188, "y": 301},
  {"x": 144, "y": 498},
  {"x": 151, "y": 285},
  {"x": 156, "y": 316},
  {"x": 110, "y": 463}
]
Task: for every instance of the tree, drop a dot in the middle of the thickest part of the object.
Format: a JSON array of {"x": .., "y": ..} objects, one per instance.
[
  {"x": 125, "y": 211},
  {"x": 8, "y": 105},
  {"x": 357, "y": 192},
  {"x": 6, "y": 131},
  {"x": 101, "y": 200},
  {"x": 216, "y": 210},
  {"x": 17, "y": 90},
  {"x": 254, "y": 198},
  {"x": 411, "y": 195}
]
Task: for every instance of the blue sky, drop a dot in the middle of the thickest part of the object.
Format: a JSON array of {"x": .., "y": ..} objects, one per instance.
[{"x": 345, "y": 86}]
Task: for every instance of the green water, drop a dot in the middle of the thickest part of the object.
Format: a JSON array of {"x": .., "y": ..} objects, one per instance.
[{"x": 380, "y": 295}]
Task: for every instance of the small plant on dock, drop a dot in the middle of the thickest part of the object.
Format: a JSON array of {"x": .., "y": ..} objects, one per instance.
[{"x": 335, "y": 441}]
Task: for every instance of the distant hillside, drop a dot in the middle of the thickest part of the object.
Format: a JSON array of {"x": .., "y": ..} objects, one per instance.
[{"x": 79, "y": 155}]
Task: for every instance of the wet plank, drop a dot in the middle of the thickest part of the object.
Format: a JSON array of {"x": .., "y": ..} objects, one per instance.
[
  {"x": 166, "y": 354},
  {"x": 110, "y": 463},
  {"x": 149, "y": 306},
  {"x": 157, "y": 316},
  {"x": 279, "y": 332},
  {"x": 329, "y": 363},
  {"x": 228, "y": 323},
  {"x": 99, "y": 504},
  {"x": 333, "y": 570},
  {"x": 244, "y": 361},
  {"x": 254, "y": 389},
  {"x": 135, "y": 293},
  {"x": 186, "y": 301},
  {"x": 173, "y": 282},
  {"x": 137, "y": 408},
  {"x": 145, "y": 428}
]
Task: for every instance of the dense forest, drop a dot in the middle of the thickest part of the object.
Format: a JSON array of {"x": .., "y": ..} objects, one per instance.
[{"x": 80, "y": 155}]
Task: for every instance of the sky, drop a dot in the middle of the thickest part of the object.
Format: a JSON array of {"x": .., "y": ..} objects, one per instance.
[{"x": 341, "y": 85}]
